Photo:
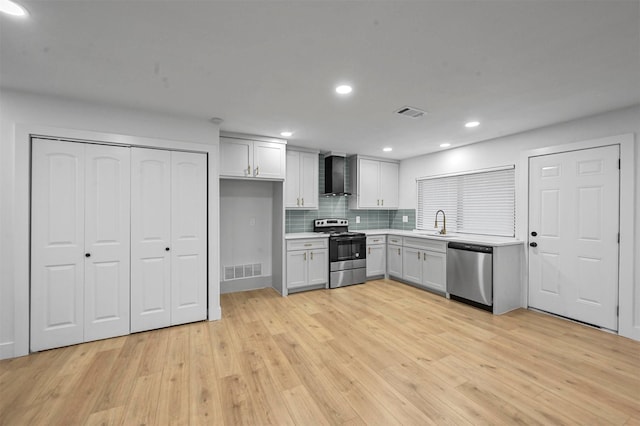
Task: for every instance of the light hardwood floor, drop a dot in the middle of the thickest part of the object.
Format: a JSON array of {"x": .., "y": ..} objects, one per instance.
[{"x": 379, "y": 353}]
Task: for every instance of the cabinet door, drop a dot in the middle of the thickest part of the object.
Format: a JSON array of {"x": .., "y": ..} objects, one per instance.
[
  {"x": 376, "y": 260},
  {"x": 188, "y": 237},
  {"x": 434, "y": 270},
  {"x": 318, "y": 266},
  {"x": 57, "y": 244},
  {"x": 309, "y": 180},
  {"x": 292, "y": 181},
  {"x": 297, "y": 267},
  {"x": 368, "y": 175},
  {"x": 394, "y": 261},
  {"x": 269, "y": 160},
  {"x": 150, "y": 238},
  {"x": 389, "y": 185},
  {"x": 107, "y": 240},
  {"x": 236, "y": 157},
  {"x": 412, "y": 265}
]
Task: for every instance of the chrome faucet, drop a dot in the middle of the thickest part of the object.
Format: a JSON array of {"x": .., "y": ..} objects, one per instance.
[{"x": 443, "y": 231}]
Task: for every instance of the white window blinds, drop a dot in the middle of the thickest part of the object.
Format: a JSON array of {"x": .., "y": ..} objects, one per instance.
[{"x": 480, "y": 202}]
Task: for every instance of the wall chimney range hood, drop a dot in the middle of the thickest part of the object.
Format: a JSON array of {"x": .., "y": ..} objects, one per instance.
[{"x": 334, "y": 168}]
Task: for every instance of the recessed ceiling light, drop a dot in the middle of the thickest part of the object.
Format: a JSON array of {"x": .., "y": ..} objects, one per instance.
[
  {"x": 445, "y": 145},
  {"x": 344, "y": 89},
  {"x": 286, "y": 134},
  {"x": 387, "y": 149},
  {"x": 472, "y": 124},
  {"x": 11, "y": 8}
]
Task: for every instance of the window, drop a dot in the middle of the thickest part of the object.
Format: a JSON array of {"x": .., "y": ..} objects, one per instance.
[{"x": 479, "y": 202}]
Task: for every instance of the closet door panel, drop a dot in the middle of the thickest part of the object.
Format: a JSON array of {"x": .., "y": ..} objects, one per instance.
[
  {"x": 57, "y": 244},
  {"x": 107, "y": 240},
  {"x": 150, "y": 239},
  {"x": 188, "y": 237}
]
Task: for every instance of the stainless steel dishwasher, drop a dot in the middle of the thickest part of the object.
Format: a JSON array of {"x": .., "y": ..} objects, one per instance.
[{"x": 470, "y": 274}]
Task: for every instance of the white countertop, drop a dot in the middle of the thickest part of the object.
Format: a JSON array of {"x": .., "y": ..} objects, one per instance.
[
  {"x": 488, "y": 240},
  {"x": 461, "y": 238}
]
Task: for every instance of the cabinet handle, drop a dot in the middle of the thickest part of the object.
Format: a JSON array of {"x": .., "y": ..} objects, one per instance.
[
  {"x": 311, "y": 255},
  {"x": 298, "y": 201},
  {"x": 424, "y": 256},
  {"x": 308, "y": 244},
  {"x": 398, "y": 252},
  {"x": 303, "y": 201},
  {"x": 257, "y": 170},
  {"x": 369, "y": 250},
  {"x": 249, "y": 170},
  {"x": 378, "y": 202},
  {"x": 305, "y": 255},
  {"x": 418, "y": 255},
  {"x": 382, "y": 203}
]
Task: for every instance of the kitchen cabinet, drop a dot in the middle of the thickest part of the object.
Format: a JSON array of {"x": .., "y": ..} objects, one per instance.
[
  {"x": 424, "y": 262},
  {"x": 376, "y": 256},
  {"x": 394, "y": 256},
  {"x": 307, "y": 263},
  {"x": 247, "y": 158},
  {"x": 301, "y": 182},
  {"x": 375, "y": 183}
]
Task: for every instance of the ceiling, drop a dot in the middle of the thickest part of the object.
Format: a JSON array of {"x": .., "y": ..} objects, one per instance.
[{"x": 268, "y": 66}]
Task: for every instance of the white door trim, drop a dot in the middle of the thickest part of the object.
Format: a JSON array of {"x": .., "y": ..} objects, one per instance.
[
  {"x": 626, "y": 325},
  {"x": 22, "y": 199}
]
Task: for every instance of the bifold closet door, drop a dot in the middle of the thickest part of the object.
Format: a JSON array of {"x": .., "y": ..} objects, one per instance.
[
  {"x": 150, "y": 239},
  {"x": 79, "y": 243},
  {"x": 168, "y": 238},
  {"x": 188, "y": 237}
]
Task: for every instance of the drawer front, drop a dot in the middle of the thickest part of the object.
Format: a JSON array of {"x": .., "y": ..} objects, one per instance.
[
  {"x": 311, "y": 244},
  {"x": 376, "y": 239},
  {"x": 425, "y": 244},
  {"x": 394, "y": 239}
]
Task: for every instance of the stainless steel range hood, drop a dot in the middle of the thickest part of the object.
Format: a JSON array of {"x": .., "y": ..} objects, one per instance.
[{"x": 334, "y": 173}]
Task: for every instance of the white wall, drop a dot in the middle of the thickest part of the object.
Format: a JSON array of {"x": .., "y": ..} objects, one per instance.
[
  {"x": 509, "y": 150},
  {"x": 27, "y": 111}
]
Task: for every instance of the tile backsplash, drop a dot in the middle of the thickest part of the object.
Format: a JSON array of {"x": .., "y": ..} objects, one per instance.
[{"x": 338, "y": 207}]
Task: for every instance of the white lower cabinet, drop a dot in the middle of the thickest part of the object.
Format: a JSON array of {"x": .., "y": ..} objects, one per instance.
[
  {"x": 307, "y": 263},
  {"x": 376, "y": 256},
  {"x": 424, "y": 262}
]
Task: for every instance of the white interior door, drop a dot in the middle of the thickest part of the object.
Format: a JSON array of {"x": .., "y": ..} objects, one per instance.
[
  {"x": 57, "y": 244},
  {"x": 573, "y": 226},
  {"x": 150, "y": 238},
  {"x": 188, "y": 237},
  {"x": 107, "y": 213}
]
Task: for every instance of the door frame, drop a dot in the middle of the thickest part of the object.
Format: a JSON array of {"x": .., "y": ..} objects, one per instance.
[
  {"x": 22, "y": 208},
  {"x": 626, "y": 326}
]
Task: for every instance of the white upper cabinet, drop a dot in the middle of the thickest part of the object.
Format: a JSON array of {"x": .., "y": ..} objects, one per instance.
[
  {"x": 245, "y": 158},
  {"x": 375, "y": 183},
  {"x": 302, "y": 180}
]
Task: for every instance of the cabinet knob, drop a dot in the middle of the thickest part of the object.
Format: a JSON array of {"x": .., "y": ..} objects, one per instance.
[
  {"x": 166, "y": 249},
  {"x": 533, "y": 244},
  {"x": 87, "y": 255},
  {"x": 534, "y": 234}
]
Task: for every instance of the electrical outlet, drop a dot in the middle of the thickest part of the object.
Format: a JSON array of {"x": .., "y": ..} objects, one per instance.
[
  {"x": 252, "y": 221},
  {"x": 405, "y": 219},
  {"x": 357, "y": 219}
]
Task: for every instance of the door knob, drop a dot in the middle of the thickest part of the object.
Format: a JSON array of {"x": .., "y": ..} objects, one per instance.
[
  {"x": 87, "y": 255},
  {"x": 534, "y": 234},
  {"x": 166, "y": 249},
  {"x": 533, "y": 244}
]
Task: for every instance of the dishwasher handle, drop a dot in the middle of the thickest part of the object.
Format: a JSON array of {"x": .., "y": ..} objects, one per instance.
[{"x": 470, "y": 247}]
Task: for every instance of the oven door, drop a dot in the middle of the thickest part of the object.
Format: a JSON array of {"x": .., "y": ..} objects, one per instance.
[{"x": 347, "y": 248}]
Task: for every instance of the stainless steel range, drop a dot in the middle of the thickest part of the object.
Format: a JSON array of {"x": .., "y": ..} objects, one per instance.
[{"x": 347, "y": 252}]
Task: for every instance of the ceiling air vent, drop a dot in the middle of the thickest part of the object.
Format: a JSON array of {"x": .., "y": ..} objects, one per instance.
[{"x": 410, "y": 112}]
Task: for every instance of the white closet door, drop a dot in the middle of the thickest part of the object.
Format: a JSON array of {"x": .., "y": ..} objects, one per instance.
[
  {"x": 57, "y": 244},
  {"x": 107, "y": 170},
  {"x": 188, "y": 237},
  {"x": 150, "y": 237}
]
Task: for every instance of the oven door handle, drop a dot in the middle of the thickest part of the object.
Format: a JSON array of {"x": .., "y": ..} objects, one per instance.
[{"x": 341, "y": 239}]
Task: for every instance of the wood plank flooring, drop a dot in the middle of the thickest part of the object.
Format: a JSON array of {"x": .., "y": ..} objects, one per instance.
[{"x": 379, "y": 353}]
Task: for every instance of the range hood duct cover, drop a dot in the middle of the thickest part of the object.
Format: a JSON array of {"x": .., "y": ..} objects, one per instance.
[{"x": 334, "y": 168}]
